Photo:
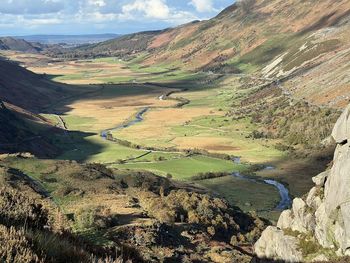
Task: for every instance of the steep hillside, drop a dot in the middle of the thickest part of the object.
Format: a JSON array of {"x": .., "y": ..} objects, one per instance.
[
  {"x": 243, "y": 27},
  {"x": 23, "y": 131},
  {"x": 122, "y": 46},
  {"x": 23, "y": 94},
  {"x": 9, "y": 43},
  {"x": 27, "y": 90},
  {"x": 318, "y": 224},
  {"x": 295, "y": 42},
  {"x": 273, "y": 26}
]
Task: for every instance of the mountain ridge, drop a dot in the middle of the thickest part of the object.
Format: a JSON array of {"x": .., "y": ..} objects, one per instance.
[
  {"x": 28, "y": 90},
  {"x": 10, "y": 43},
  {"x": 272, "y": 39},
  {"x": 292, "y": 62}
]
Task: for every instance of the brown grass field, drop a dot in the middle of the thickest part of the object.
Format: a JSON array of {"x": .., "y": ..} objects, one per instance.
[
  {"x": 158, "y": 124},
  {"x": 110, "y": 112},
  {"x": 163, "y": 125},
  {"x": 202, "y": 124},
  {"x": 79, "y": 72}
]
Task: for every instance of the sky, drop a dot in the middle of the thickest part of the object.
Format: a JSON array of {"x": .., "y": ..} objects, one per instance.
[{"x": 28, "y": 17}]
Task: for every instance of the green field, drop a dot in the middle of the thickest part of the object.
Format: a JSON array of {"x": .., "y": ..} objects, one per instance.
[
  {"x": 134, "y": 71},
  {"x": 185, "y": 168},
  {"x": 95, "y": 149},
  {"x": 247, "y": 195},
  {"x": 210, "y": 126},
  {"x": 235, "y": 132}
]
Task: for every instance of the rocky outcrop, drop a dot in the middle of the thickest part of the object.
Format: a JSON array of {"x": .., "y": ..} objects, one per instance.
[
  {"x": 2, "y": 105},
  {"x": 274, "y": 244},
  {"x": 318, "y": 225}
]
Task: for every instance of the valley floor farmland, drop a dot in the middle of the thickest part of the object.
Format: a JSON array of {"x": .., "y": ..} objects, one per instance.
[{"x": 174, "y": 139}]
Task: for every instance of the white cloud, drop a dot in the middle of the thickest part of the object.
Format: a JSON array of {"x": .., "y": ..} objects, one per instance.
[
  {"x": 31, "y": 7},
  {"x": 72, "y": 14},
  {"x": 98, "y": 3},
  {"x": 203, "y": 6},
  {"x": 43, "y": 21},
  {"x": 29, "y": 21},
  {"x": 154, "y": 10},
  {"x": 150, "y": 8}
]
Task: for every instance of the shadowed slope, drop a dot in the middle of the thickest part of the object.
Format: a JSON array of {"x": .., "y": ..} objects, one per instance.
[
  {"x": 30, "y": 91},
  {"x": 9, "y": 43}
]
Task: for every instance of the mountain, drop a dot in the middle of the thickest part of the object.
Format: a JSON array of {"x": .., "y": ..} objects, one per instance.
[
  {"x": 287, "y": 54},
  {"x": 249, "y": 33},
  {"x": 23, "y": 95},
  {"x": 317, "y": 227},
  {"x": 10, "y": 43},
  {"x": 128, "y": 44},
  {"x": 294, "y": 42},
  {"x": 28, "y": 90}
]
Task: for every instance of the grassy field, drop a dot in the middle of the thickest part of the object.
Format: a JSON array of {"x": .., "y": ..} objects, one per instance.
[
  {"x": 102, "y": 70},
  {"x": 248, "y": 196},
  {"x": 187, "y": 167},
  {"x": 202, "y": 124}
]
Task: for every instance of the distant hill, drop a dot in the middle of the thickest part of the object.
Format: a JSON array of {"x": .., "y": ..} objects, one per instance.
[
  {"x": 10, "y": 43},
  {"x": 69, "y": 40},
  {"x": 123, "y": 45}
]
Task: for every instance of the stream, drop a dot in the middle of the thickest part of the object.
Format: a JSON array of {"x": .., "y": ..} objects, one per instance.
[
  {"x": 285, "y": 200},
  {"x": 138, "y": 118}
]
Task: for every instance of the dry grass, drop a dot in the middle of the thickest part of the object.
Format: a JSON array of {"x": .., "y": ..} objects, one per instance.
[
  {"x": 212, "y": 144},
  {"x": 110, "y": 112},
  {"x": 118, "y": 206},
  {"x": 158, "y": 124},
  {"x": 80, "y": 72},
  {"x": 91, "y": 73}
]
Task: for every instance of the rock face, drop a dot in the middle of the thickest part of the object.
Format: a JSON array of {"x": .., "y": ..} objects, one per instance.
[
  {"x": 2, "y": 105},
  {"x": 317, "y": 226}
]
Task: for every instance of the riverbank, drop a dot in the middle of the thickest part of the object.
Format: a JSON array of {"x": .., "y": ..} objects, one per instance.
[{"x": 285, "y": 200}]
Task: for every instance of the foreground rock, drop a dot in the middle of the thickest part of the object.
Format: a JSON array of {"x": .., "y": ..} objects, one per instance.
[{"x": 317, "y": 227}]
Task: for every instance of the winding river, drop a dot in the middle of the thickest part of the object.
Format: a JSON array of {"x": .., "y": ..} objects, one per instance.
[
  {"x": 138, "y": 118},
  {"x": 285, "y": 201}
]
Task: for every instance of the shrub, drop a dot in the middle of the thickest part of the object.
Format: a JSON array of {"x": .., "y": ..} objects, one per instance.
[
  {"x": 213, "y": 214},
  {"x": 296, "y": 122},
  {"x": 94, "y": 218},
  {"x": 209, "y": 175},
  {"x": 15, "y": 247},
  {"x": 84, "y": 218},
  {"x": 18, "y": 209}
]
